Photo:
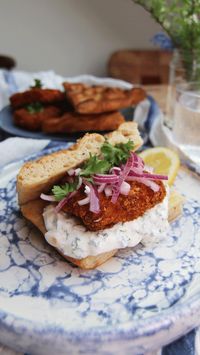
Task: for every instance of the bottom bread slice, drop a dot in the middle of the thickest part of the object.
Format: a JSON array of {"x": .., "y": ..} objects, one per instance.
[{"x": 33, "y": 211}]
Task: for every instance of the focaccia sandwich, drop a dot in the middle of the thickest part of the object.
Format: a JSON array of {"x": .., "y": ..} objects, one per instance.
[{"x": 96, "y": 197}]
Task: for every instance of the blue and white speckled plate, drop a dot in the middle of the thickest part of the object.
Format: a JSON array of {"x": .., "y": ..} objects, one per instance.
[
  {"x": 7, "y": 125},
  {"x": 138, "y": 301}
]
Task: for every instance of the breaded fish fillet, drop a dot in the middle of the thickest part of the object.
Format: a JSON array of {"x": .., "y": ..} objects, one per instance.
[
  {"x": 99, "y": 99},
  {"x": 33, "y": 121},
  {"x": 127, "y": 208},
  {"x": 45, "y": 96},
  {"x": 72, "y": 122}
]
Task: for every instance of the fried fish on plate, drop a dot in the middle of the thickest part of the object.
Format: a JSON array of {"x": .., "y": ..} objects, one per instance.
[
  {"x": 32, "y": 117},
  {"x": 127, "y": 208},
  {"x": 99, "y": 99},
  {"x": 72, "y": 122},
  {"x": 44, "y": 96}
]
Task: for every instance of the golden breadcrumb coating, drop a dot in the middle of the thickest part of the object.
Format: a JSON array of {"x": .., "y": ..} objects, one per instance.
[
  {"x": 72, "y": 122},
  {"x": 127, "y": 208},
  {"x": 45, "y": 96}
]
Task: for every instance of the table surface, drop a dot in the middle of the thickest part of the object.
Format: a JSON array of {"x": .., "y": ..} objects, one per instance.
[{"x": 159, "y": 93}]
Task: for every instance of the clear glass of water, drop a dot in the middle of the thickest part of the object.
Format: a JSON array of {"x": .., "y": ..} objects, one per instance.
[{"x": 186, "y": 120}]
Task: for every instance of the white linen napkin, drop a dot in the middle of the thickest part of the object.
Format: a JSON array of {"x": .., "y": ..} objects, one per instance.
[{"x": 16, "y": 148}]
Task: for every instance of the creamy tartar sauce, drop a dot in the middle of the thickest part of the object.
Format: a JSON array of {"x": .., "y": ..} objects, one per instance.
[{"x": 71, "y": 238}]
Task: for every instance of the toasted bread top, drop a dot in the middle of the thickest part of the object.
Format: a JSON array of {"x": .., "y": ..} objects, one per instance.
[{"x": 40, "y": 175}]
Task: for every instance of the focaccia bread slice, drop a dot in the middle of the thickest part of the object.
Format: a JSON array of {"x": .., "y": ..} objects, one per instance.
[
  {"x": 99, "y": 99},
  {"x": 33, "y": 211},
  {"x": 40, "y": 175},
  {"x": 72, "y": 122}
]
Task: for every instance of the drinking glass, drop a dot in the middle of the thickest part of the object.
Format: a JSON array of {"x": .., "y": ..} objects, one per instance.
[
  {"x": 186, "y": 120},
  {"x": 184, "y": 67}
]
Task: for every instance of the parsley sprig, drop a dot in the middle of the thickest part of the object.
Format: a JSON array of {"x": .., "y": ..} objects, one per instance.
[
  {"x": 110, "y": 156},
  {"x": 62, "y": 191},
  {"x": 37, "y": 84},
  {"x": 94, "y": 165},
  {"x": 118, "y": 154},
  {"x": 35, "y": 107}
]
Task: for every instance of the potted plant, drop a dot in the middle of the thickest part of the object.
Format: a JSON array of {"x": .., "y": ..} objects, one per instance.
[{"x": 181, "y": 21}]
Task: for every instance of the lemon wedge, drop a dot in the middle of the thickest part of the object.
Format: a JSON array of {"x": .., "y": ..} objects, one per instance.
[{"x": 163, "y": 160}]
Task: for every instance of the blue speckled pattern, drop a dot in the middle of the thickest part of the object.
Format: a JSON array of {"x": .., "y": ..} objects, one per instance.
[{"x": 138, "y": 301}]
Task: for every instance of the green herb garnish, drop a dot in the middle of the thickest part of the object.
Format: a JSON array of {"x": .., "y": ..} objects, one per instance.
[
  {"x": 62, "y": 191},
  {"x": 111, "y": 156},
  {"x": 118, "y": 154},
  {"x": 37, "y": 85},
  {"x": 35, "y": 107},
  {"x": 94, "y": 165}
]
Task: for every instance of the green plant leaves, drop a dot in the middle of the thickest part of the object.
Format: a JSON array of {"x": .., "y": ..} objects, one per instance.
[{"x": 181, "y": 20}]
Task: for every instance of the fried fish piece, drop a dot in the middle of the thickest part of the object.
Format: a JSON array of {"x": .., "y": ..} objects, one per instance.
[
  {"x": 127, "y": 208},
  {"x": 45, "y": 96},
  {"x": 99, "y": 99},
  {"x": 33, "y": 121},
  {"x": 72, "y": 122}
]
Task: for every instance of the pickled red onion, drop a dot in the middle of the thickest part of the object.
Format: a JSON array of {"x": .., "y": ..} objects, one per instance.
[
  {"x": 101, "y": 187},
  {"x": 146, "y": 182},
  {"x": 105, "y": 178},
  {"x": 124, "y": 173},
  {"x": 93, "y": 196},
  {"x": 112, "y": 184},
  {"x": 108, "y": 191},
  {"x": 84, "y": 201},
  {"x": 64, "y": 201},
  {"x": 148, "y": 176},
  {"x": 49, "y": 198},
  {"x": 125, "y": 188}
]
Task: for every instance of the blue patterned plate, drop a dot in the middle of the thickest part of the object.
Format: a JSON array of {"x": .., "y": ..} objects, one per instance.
[
  {"x": 138, "y": 301},
  {"x": 7, "y": 125}
]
